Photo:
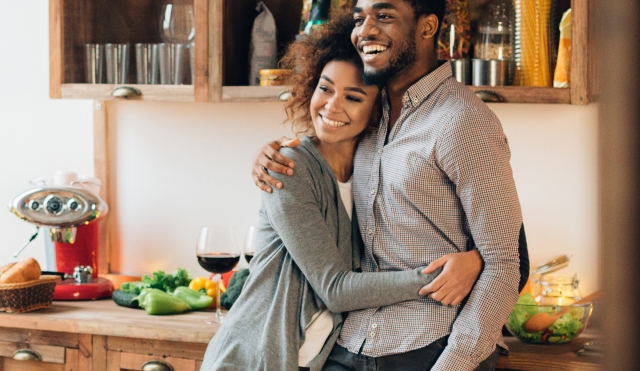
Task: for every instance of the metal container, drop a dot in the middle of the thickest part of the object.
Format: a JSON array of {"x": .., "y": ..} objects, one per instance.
[
  {"x": 461, "y": 70},
  {"x": 490, "y": 72}
]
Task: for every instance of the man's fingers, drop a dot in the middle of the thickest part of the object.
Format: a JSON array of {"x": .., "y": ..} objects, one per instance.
[
  {"x": 291, "y": 143},
  {"x": 434, "y": 286},
  {"x": 269, "y": 180},
  {"x": 434, "y": 265}
]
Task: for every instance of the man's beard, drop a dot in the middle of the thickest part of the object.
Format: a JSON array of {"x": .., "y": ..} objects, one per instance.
[{"x": 404, "y": 59}]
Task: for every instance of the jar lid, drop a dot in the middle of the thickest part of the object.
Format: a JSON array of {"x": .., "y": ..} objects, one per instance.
[{"x": 553, "y": 265}]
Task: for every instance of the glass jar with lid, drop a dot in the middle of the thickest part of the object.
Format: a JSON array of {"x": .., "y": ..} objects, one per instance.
[
  {"x": 494, "y": 34},
  {"x": 551, "y": 289}
]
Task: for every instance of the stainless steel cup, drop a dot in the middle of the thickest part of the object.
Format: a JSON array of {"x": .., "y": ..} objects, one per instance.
[
  {"x": 147, "y": 63},
  {"x": 461, "y": 70},
  {"x": 117, "y": 56},
  {"x": 192, "y": 62},
  {"x": 94, "y": 63},
  {"x": 173, "y": 63},
  {"x": 164, "y": 62},
  {"x": 490, "y": 72}
]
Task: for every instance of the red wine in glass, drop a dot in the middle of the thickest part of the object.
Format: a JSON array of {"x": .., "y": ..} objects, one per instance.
[
  {"x": 218, "y": 252},
  {"x": 218, "y": 262},
  {"x": 248, "y": 256}
]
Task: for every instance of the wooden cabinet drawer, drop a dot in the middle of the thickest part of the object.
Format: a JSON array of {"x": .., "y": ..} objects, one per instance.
[
  {"x": 32, "y": 350},
  {"x": 120, "y": 353}
]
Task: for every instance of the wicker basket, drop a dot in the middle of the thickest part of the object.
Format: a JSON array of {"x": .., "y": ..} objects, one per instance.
[{"x": 27, "y": 296}]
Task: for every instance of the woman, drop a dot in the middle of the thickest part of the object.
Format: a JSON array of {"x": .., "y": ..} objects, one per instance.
[{"x": 302, "y": 277}]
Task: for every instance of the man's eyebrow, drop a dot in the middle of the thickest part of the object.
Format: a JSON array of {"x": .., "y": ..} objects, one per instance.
[{"x": 376, "y": 6}]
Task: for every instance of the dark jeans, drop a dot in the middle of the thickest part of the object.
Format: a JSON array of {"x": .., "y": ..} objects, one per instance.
[{"x": 421, "y": 359}]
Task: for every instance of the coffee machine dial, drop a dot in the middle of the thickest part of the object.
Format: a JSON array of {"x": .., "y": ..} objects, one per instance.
[{"x": 58, "y": 206}]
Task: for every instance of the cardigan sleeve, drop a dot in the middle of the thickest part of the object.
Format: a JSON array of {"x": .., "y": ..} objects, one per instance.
[{"x": 295, "y": 214}]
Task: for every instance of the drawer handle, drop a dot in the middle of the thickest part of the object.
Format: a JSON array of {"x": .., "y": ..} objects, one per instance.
[
  {"x": 285, "y": 95},
  {"x": 489, "y": 96},
  {"x": 26, "y": 355},
  {"x": 156, "y": 366},
  {"x": 125, "y": 92}
]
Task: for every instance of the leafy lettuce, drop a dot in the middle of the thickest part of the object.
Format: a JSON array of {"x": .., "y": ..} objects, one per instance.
[{"x": 158, "y": 280}]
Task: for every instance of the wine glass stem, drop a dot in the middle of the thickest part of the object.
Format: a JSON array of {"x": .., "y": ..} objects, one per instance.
[{"x": 218, "y": 311}]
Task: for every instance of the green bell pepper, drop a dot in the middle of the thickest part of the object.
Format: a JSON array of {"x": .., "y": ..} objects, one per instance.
[
  {"x": 195, "y": 299},
  {"x": 156, "y": 301}
]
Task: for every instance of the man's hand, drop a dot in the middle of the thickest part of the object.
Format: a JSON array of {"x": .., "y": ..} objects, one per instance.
[
  {"x": 268, "y": 157},
  {"x": 460, "y": 273}
]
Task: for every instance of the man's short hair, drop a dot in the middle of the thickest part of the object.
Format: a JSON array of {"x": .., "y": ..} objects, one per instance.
[{"x": 426, "y": 7}]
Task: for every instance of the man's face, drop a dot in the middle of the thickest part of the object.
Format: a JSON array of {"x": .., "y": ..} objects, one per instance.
[{"x": 385, "y": 36}]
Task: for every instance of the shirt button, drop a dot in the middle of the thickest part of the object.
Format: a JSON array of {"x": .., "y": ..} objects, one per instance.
[
  {"x": 370, "y": 231},
  {"x": 372, "y": 333},
  {"x": 373, "y": 191},
  {"x": 379, "y": 151},
  {"x": 374, "y": 325}
]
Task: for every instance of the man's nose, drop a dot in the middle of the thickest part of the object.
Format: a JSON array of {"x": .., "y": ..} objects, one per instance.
[{"x": 368, "y": 28}]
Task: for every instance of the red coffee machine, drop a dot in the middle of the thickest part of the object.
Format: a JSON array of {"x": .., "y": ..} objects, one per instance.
[{"x": 72, "y": 216}]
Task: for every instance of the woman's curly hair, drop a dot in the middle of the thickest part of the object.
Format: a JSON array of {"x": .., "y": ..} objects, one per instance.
[{"x": 308, "y": 57}]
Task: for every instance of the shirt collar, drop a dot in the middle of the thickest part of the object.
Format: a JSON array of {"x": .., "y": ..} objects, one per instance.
[{"x": 420, "y": 91}]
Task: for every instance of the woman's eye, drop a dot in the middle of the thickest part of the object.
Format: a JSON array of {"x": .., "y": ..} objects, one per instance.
[
  {"x": 323, "y": 88},
  {"x": 354, "y": 99}
]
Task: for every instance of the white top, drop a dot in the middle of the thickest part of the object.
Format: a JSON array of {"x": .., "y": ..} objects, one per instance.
[{"x": 318, "y": 331}]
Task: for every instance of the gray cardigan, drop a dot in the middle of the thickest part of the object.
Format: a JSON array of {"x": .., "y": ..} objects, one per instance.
[{"x": 304, "y": 264}]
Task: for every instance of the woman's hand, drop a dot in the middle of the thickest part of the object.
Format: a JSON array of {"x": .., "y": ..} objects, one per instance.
[
  {"x": 268, "y": 157},
  {"x": 460, "y": 273}
]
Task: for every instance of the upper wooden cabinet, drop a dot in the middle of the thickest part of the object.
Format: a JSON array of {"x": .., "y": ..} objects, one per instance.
[{"x": 222, "y": 35}]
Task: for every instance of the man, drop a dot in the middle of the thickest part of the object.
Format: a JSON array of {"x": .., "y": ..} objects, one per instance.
[{"x": 434, "y": 180}]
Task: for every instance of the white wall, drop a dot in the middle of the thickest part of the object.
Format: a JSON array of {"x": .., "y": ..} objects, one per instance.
[
  {"x": 180, "y": 166},
  {"x": 38, "y": 136}
]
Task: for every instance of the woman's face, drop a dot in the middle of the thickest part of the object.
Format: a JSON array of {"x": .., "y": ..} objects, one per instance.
[{"x": 341, "y": 104}]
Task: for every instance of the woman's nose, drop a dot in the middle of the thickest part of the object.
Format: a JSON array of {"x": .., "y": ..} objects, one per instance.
[{"x": 333, "y": 105}]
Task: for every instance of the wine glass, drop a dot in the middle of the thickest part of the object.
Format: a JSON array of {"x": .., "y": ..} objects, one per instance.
[
  {"x": 250, "y": 243},
  {"x": 218, "y": 252},
  {"x": 177, "y": 23}
]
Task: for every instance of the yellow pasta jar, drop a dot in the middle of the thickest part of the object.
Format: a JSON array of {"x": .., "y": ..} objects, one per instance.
[{"x": 275, "y": 77}]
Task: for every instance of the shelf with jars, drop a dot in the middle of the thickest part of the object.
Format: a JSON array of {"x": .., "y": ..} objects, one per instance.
[{"x": 198, "y": 50}]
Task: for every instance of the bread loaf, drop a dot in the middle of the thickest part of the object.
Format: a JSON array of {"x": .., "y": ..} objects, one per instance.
[
  {"x": 6, "y": 267},
  {"x": 26, "y": 270}
]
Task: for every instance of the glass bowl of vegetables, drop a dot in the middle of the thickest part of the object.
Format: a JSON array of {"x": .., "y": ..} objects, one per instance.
[{"x": 565, "y": 323}]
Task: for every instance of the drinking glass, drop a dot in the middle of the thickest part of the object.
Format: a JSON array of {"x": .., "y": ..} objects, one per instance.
[
  {"x": 177, "y": 24},
  {"x": 218, "y": 252},
  {"x": 250, "y": 243}
]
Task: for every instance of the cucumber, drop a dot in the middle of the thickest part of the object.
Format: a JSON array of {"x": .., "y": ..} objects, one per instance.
[{"x": 123, "y": 299}]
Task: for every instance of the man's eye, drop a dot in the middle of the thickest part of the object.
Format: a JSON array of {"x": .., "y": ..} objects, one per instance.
[
  {"x": 358, "y": 21},
  {"x": 383, "y": 17}
]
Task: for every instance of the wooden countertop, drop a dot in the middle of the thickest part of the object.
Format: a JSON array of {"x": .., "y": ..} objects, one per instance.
[
  {"x": 104, "y": 317},
  {"x": 559, "y": 357}
]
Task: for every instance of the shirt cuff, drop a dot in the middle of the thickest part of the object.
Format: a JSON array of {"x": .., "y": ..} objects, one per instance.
[{"x": 450, "y": 360}]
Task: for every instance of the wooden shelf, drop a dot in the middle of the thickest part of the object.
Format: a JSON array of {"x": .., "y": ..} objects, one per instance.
[
  {"x": 223, "y": 33},
  {"x": 178, "y": 93},
  {"x": 528, "y": 94}
]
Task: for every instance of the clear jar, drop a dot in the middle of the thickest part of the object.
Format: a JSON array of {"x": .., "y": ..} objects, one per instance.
[
  {"x": 558, "y": 290},
  {"x": 494, "y": 34},
  {"x": 454, "y": 41}
]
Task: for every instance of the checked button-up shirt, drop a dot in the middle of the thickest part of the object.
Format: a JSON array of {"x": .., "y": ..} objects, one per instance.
[{"x": 441, "y": 184}]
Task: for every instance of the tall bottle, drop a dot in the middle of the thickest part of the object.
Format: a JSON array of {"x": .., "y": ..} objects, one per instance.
[
  {"x": 532, "y": 42},
  {"x": 455, "y": 34}
]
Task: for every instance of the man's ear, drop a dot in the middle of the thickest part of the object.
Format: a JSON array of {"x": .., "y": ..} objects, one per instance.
[{"x": 428, "y": 24}]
